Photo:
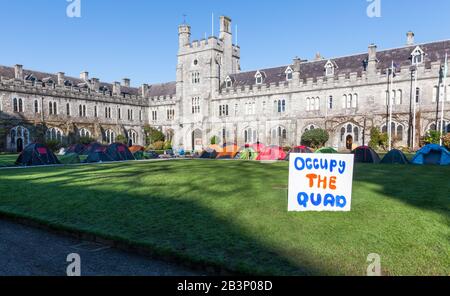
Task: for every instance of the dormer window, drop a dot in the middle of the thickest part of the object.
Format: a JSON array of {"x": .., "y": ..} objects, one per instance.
[
  {"x": 228, "y": 82},
  {"x": 329, "y": 68},
  {"x": 289, "y": 74},
  {"x": 417, "y": 56},
  {"x": 259, "y": 78}
]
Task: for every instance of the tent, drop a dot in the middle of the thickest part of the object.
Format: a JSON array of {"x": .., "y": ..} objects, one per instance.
[
  {"x": 214, "y": 147},
  {"x": 395, "y": 157},
  {"x": 139, "y": 155},
  {"x": 229, "y": 151},
  {"x": 119, "y": 152},
  {"x": 71, "y": 158},
  {"x": 97, "y": 153},
  {"x": 92, "y": 147},
  {"x": 365, "y": 154},
  {"x": 326, "y": 150},
  {"x": 272, "y": 153},
  {"x": 298, "y": 149},
  {"x": 136, "y": 148},
  {"x": 151, "y": 155},
  {"x": 77, "y": 148},
  {"x": 432, "y": 154},
  {"x": 209, "y": 154},
  {"x": 258, "y": 147},
  {"x": 36, "y": 154},
  {"x": 248, "y": 154}
]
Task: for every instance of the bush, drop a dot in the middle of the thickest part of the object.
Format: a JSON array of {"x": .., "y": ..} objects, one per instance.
[
  {"x": 157, "y": 145},
  {"x": 53, "y": 145},
  {"x": 432, "y": 137},
  {"x": 167, "y": 146},
  {"x": 121, "y": 139},
  {"x": 153, "y": 135},
  {"x": 378, "y": 139},
  {"x": 85, "y": 140},
  {"x": 315, "y": 138},
  {"x": 446, "y": 141},
  {"x": 214, "y": 140}
]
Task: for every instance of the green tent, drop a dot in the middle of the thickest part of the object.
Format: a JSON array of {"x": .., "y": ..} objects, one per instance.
[
  {"x": 71, "y": 158},
  {"x": 248, "y": 154},
  {"x": 326, "y": 150}
]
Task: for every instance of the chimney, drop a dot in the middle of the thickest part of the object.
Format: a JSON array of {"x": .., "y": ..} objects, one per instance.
[
  {"x": 372, "y": 60},
  {"x": 144, "y": 90},
  {"x": 95, "y": 84},
  {"x": 18, "y": 72},
  {"x": 116, "y": 89},
  {"x": 410, "y": 38},
  {"x": 318, "y": 57},
  {"x": 61, "y": 78},
  {"x": 296, "y": 69},
  {"x": 84, "y": 76},
  {"x": 126, "y": 82}
]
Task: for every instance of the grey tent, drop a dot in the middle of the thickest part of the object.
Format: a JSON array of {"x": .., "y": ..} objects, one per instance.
[{"x": 395, "y": 157}]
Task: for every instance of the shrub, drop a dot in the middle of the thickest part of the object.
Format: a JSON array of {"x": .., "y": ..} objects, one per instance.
[
  {"x": 378, "y": 139},
  {"x": 432, "y": 137},
  {"x": 315, "y": 138},
  {"x": 214, "y": 140},
  {"x": 167, "y": 145},
  {"x": 85, "y": 140},
  {"x": 159, "y": 145},
  {"x": 446, "y": 140},
  {"x": 121, "y": 139},
  {"x": 153, "y": 135},
  {"x": 53, "y": 145}
]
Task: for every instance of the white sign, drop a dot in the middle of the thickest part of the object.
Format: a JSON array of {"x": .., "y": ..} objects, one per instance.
[{"x": 320, "y": 182}]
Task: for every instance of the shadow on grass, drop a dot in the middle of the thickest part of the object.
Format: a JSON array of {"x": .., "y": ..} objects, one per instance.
[{"x": 132, "y": 204}]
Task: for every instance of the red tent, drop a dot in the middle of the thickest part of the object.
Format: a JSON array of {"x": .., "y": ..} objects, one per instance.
[
  {"x": 272, "y": 153},
  {"x": 258, "y": 147}
]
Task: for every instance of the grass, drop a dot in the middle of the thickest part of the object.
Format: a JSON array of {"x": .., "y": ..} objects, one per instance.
[
  {"x": 234, "y": 214},
  {"x": 7, "y": 159}
]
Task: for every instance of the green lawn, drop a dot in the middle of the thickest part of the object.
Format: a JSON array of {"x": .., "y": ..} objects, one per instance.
[
  {"x": 234, "y": 214},
  {"x": 8, "y": 159}
]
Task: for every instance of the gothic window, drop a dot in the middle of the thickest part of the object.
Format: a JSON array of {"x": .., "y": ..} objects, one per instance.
[
  {"x": 228, "y": 82},
  {"x": 342, "y": 134},
  {"x": 259, "y": 78},
  {"x": 15, "y": 105},
  {"x": 349, "y": 128},
  {"x": 119, "y": 113},
  {"x": 250, "y": 136},
  {"x": 196, "y": 105},
  {"x": 132, "y": 137},
  {"x": 68, "y": 109},
  {"x": 330, "y": 102},
  {"x": 329, "y": 68},
  {"x": 95, "y": 112},
  {"x": 280, "y": 106},
  {"x": 36, "y": 106},
  {"x": 50, "y": 108},
  {"x": 170, "y": 114},
  {"x": 109, "y": 136},
  {"x": 417, "y": 56},
  {"x": 54, "y": 134},
  {"x": 55, "y": 108},
  {"x": 154, "y": 115},
  {"x": 195, "y": 77},
  {"x": 417, "y": 95},
  {"x": 400, "y": 132},
  {"x": 289, "y": 74},
  {"x": 85, "y": 133},
  {"x": 356, "y": 132}
]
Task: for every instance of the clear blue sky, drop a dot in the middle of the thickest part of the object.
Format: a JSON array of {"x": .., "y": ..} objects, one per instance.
[{"x": 138, "y": 38}]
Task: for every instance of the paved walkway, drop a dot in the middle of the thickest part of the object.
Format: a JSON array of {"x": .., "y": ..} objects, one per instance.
[{"x": 28, "y": 251}]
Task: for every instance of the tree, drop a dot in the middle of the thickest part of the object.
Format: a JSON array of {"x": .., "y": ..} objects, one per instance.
[
  {"x": 315, "y": 138},
  {"x": 153, "y": 135},
  {"x": 432, "y": 137},
  {"x": 214, "y": 140},
  {"x": 85, "y": 140},
  {"x": 446, "y": 140},
  {"x": 378, "y": 139},
  {"x": 121, "y": 139}
]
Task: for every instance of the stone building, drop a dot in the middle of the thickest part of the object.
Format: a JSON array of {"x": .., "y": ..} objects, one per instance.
[{"x": 211, "y": 97}]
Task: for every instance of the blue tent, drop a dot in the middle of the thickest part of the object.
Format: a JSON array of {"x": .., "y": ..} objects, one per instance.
[{"x": 432, "y": 154}]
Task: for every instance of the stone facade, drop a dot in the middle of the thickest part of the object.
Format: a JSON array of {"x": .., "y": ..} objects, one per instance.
[{"x": 347, "y": 96}]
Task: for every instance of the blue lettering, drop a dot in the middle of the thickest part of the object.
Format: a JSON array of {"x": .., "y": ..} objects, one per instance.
[
  {"x": 318, "y": 201},
  {"x": 329, "y": 200},
  {"x": 324, "y": 164},
  {"x": 333, "y": 164},
  {"x": 302, "y": 199},
  {"x": 341, "y": 167},
  {"x": 308, "y": 163},
  {"x": 299, "y": 168},
  {"x": 316, "y": 164},
  {"x": 341, "y": 201}
]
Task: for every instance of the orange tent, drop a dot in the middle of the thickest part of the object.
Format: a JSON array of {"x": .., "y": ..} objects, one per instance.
[
  {"x": 228, "y": 152},
  {"x": 216, "y": 148},
  {"x": 136, "y": 148}
]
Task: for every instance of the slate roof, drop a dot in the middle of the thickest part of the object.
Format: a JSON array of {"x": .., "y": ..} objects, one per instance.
[
  {"x": 165, "y": 89},
  {"x": 350, "y": 64}
]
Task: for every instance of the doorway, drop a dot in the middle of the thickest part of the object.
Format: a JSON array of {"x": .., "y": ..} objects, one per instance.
[
  {"x": 349, "y": 142},
  {"x": 19, "y": 145}
]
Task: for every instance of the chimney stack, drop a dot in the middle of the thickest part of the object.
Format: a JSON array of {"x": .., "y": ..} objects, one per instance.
[
  {"x": 95, "y": 84},
  {"x": 84, "y": 76},
  {"x": 61, "y": 78},
  {"x": 372, "y": 60},
  {"x": 318, "y": 57},
  {"x": 116, "y": 89},
  {"x": 126, "y": 82},
  {"x": 296, "y": 75},
  {"x": 18, "y": 72},
  {"x": 144, "y": 90},
  {"x": 410, "y": 38}
]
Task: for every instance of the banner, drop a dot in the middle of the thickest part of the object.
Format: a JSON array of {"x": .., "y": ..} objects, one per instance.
[{"x": 320, "y": 182}]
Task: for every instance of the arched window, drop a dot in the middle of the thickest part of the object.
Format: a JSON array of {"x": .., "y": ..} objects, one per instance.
[
  {"x": 109, "y": 136},
  {"x": 19, "y": 133},
  {"x": 133, "y": 137},
  {"x": 330, "y": 102},
  {"x": 250, "y": 136},
  {"x": 36, "y": 106},
  {"x": 308, "y": 104},
  {"x": 342, "y": 134},
  {"x": 68, "y": 109},
  {"x": 344, "y": 101},
  {"x": 54, "y": 134},
  {"x": 400, "y": 132},
  {"x": 15, "y": 105},
  {"x": 20, "y": 105},
  {"x": 349, "y": 128},
  {"x": 356, "y": 133},
  {"x": 85, "y": 133},
  {"x": 289, "y": 74},
  {"x": 349, "y": 101},
  {"x": 355, "y": 101}
]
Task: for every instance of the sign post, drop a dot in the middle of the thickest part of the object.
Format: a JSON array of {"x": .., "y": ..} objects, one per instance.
[{"x": 320, "y": 182}]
